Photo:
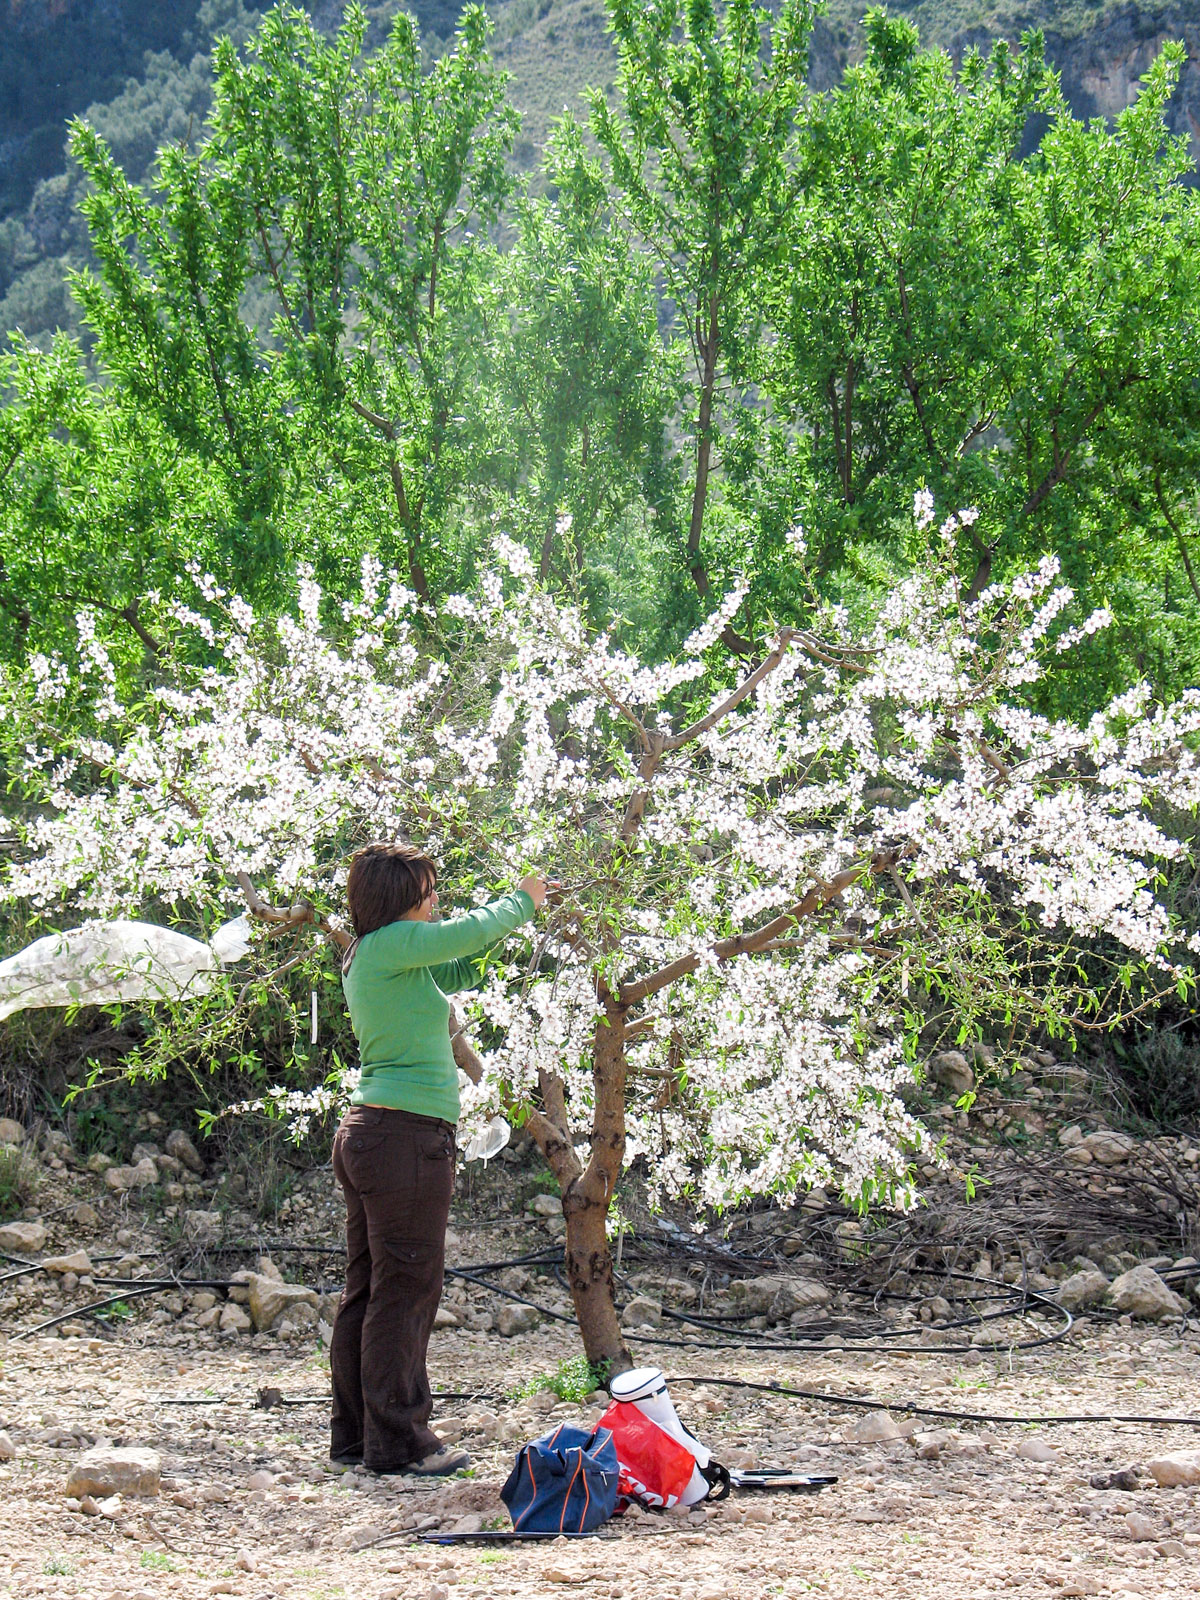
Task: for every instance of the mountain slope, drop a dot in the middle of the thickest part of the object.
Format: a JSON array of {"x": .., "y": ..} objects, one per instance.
[{"x": 141, "y": 76}]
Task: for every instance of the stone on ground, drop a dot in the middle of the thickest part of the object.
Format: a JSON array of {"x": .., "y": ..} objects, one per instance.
[
  {"x": 1109, "y": 1148},
  {"x": 514, "y": 1319},
  {"x": 641, "y": 1312},
  {"x": 181, "y": 1147},
  {"x": 270, "y": 1299},
  {"x": 1082, "y": 1289},
  {"x": 139, "y": 1176},
  {"x": 1180, "y": 1469},
  {"x": 107, "y": 1471},
  {"x": 1038, "y": 1450},
  {"x": 203, "y": 1227},
  {"x": 23, "y": 1238},
  {"x": 951, "y": 1070},
  {"x": 778, "y": 1297},
  {"x": 1142, "y": 1293},
  {"x": 876, "y": 1427},
  {"x": 1140, "y": 1526},
  {"x": 11, "y": 1131},
  {"x": 78, "y": 1261}
]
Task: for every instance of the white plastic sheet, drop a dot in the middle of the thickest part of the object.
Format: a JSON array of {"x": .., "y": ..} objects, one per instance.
[
  {"x": 488, "y": 1142},
  {"x": 104, "y": 962}
]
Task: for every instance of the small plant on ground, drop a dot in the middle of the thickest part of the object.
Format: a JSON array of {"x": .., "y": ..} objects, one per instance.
[
  {"x": 18, "y": 1182},
  {"x": 156, "y": 1561},
  {"x": 119, "y": 1311},
  {"x": 574, "y": 1379}
]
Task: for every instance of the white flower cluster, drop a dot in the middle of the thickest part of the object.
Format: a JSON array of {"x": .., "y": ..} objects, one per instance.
[{"x": 884, "y": 804}]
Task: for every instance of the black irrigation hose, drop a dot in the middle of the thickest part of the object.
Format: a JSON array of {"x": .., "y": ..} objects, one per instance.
[
  {"x": 925, "y": 1411},
  {"x": 26, "y": 1267},
  {"x": 309, "y": 1399},
  {"x": 137, "y": 1288},
  {"x": 821, "y": 1397},
  {"x": 89, "y": 1310},
  {"x": 508, "y": 1294},
  {"x": 1024, "y": 1300}
]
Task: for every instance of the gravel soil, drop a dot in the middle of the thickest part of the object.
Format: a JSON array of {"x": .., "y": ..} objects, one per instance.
[{"x": 249, "y": 1506}]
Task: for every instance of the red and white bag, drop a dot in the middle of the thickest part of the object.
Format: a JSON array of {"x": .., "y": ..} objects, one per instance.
[{"x": 661, "y": 1463}]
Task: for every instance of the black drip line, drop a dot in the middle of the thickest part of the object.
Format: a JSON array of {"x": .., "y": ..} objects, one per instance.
[{"x": 1021, "y": 1302}]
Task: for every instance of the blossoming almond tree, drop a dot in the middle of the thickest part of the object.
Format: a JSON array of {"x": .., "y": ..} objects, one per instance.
[{"x": 770, "y": 889}]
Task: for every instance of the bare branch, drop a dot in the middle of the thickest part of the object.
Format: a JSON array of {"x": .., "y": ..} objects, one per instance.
[
  {"x": 296, "y": 916},
  {"x": 735, "y": 698},
  {"x": 819, "y": 896},
  {"x": 373, "y": 417}
]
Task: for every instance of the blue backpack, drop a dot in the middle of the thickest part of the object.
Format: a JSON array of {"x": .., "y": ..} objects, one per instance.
[{"x": 564, "y": 1482}]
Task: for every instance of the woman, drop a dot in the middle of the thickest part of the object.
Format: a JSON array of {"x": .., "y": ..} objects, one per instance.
[{"x": 394, "y": 1151}]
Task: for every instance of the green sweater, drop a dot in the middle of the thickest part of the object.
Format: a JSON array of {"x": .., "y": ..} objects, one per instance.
[{"x": 396, "y": 990}]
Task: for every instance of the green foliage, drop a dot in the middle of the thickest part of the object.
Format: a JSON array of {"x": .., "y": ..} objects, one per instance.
[
  {"x": 1016, "y": 332},
  {"x": 697, "y": 159},
  {"x": 588, "y": 383},
  {"x": 18, "y": 1181},
  {"x": 574, "y": 1379},
  {"x": 1159, "y": 1070}
]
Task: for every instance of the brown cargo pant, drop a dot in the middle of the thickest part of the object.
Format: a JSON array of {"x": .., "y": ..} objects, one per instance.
[{"x": 396, "y": 1170}]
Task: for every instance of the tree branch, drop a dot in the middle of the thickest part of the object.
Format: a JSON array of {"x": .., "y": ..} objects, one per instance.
[
  {"x": 819, "y": 896},
  {"x": 735, "y": 698},
  {"x": 1178, "y": 532},
  {"x": 127, "y": 613},
  {"x": 296, "y": 916},
  {"x": 465, "y": 1057},
  {"x": 384, "y": 426}
]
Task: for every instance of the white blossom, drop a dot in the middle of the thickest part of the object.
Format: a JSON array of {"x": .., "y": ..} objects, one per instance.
[{"x": 524, "y": 739}]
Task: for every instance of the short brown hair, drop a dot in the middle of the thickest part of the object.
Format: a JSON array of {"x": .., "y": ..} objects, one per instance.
[{"x": 385, "y": 881}]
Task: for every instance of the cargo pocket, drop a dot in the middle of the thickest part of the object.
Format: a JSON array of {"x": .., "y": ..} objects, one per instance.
[
  {"x": 374, "y": 1161},
  {"x": 413, "y": 1259}
]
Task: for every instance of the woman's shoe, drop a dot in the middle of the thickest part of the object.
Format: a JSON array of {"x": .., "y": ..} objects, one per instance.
[{"x": 440, "y": 1463}]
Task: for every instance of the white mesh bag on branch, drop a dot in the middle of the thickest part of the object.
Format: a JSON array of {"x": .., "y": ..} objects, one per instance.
[
  {"x": 103, "y": 962},
  {"x": 488, "y": 1141},
  {"x": 479, "y": 1140}
]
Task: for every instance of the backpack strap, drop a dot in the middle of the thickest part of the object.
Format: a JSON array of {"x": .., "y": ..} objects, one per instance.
[{"x": 718, "y": 1480}]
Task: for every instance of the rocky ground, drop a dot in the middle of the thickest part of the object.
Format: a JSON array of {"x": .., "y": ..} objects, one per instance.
[{"x": 220, "y": 1486}]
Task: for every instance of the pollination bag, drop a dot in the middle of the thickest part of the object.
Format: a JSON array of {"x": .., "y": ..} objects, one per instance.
[{"x": 104, "y": 962}]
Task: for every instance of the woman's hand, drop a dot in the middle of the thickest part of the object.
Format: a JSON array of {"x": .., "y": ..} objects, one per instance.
[{"x": 536, "y": 889}]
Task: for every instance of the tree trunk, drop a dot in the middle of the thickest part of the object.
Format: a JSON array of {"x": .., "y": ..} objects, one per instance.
[
  {"x": 586, "y": 1192},
  {"x": 590, "y": 1276}
]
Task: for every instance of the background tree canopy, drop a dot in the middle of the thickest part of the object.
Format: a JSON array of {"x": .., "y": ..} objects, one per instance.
[{"x": 335, "y": 320}]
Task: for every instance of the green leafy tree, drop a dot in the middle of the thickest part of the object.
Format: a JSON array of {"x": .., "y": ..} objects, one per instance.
[
  {"x": 349, "y": 199},
  {"x": 95, "y": 511},
  {"x": 697, "y": 161},
  {"x": 1015, "y": 330},
  {"x": 366, "y": 189},
  {"x": 589, "y": 384}
]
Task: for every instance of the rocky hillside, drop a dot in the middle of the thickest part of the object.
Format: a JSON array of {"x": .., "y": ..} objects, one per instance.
[{"x": 140, "y": 75}]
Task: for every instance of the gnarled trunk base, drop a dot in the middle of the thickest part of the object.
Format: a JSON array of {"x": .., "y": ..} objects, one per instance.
[{"x": 590, "y": 1277}]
